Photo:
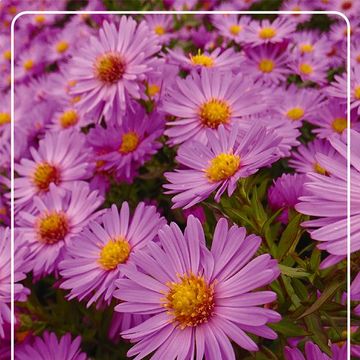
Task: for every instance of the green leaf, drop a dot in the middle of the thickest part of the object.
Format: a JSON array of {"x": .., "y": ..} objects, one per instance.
[
  {"x": 315, "y": 326},
  {"x": 293, "y": 272},
  {"x": 325, "y": 297},
  {"x": 289, "y": 329}
]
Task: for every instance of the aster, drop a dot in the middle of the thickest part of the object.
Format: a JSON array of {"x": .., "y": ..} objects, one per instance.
[
  {"x": 132, "y": 143},
  {"x": 161, "y": 26},
  {"x": 297, "y": 104},
  {"x": 264, "y": 31},
  {"x": 218, "y": 165},
  {"x": 311, "y": 42},
  {"x": 330, "y": 206},
  {"x": 303, "y": 160},
  {"x": 310, "y": 68},
  {"x": 231, "y": 26},
  {"x": 5, "y": 115},
  {"x": 60, "y": 160},
  {"x": 110, "y": 242},
  {"x": 20, "y": 269},
  {"x": 313, "y": 352},
  {"x": 267, "y": 63},
  {"x": 206, "y": 101},
  {"x": 297, "y": 6},
  {"x": 285, "y": 192},
  {"x": 49, "y": 346},
  {"x": 53, "y": 221},
  {"x": 198, "y": 297},
  {"x": 219, "y": 59},
  {"x": 108, "y": 70}
]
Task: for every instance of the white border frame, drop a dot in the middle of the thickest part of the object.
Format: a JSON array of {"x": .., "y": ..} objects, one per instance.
[{"x": 163, "y": 12}]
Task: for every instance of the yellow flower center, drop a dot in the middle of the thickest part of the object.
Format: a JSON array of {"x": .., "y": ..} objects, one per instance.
[
  {"x": 7, "y": 55},
  {"x": 358, "y": 59},
  {"x": 266, "y": 65},
  {"x": 12, "y": 10},
  {"x": 357, "y": 93},
  {"x": 129, "y": 142},
  {"x": 319, "y": 169},
  {"x": 214, "y": 113},
  {"x": 295, "y": 113},
  {"x": 190, "y": 301},
  {"x": 267, "y": 33},
  {"x": 235, "y": 29},
  {"x": 5, "y": 118},
  {"x": 39, "y": 19},
  {"x": 109, "y": 68},
  {"x": 339, "y": 125},
  {"x": 152, "y": 89},
  {"x": 62, "y": 46},
  {"x": 52, "y": 227},
  {"x": 222, "y": 167},
  {"x": 159, "y": 30},
  {"x": 201, "y": 59},
  {"x": 28, "y": 64},
  {"x": 306, "y": 48},
  {"x": 115, "y": 252},
  {"x": 44, "y": 175},
  {"x": 306, "y": 69},
  {"x": 75, "y": 99},
  {"x": 68, "y": 118}
]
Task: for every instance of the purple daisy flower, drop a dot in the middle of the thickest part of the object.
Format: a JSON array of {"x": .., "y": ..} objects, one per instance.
[
  {"x": 303, "y": 160},
  {"x": 221, "y": 60},
  {"x": 161, "y": 26},
  {"x": 267, "y": 63},
  {"x": 206, "y": 101},
  {"x": 20, "y": 268},
  {"x": 110, "y": 68},
  {"x": 311, "y": 42},
  {"x": 52, "y": 223},
  {"x": 219, "y": 164},
  {"x": 313, "y": 352},
  {"x": 330, "y": 205},
  {"x": 297, "y": 104},
  {"x": 297, "y": 6},
  {"x": 231, "y": 26},
  {"x": 264, "y": 31},
  {"x": 285, "y": 193},
  {"x": 110, "y": 242},
  {"x": 48, "y": 346},
  {"x": 197, "y": 296},
  {"x": 60, "y": 160}
]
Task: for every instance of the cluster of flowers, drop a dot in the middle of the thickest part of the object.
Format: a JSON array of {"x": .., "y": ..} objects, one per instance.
[{"x": 205, "y": 104}]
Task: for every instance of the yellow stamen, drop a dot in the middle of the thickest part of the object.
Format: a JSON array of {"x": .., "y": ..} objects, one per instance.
[
  {"x": 62, "y": 46},
  {"x": 201, "y": 59},
  {"x": 339, "y": 125},
  {"x": 129, "y": 142},
  {"x": 190, "y": 301},
  {"x": 5, "y": 118},
  {"x": 306, "y": 69},
  {"x": 214, "y": 113},
  {"x": 44, "y": 175},
  {"x": 357, "y": 92},
  {"x": 152, "y": 89},
  {"x": 222, "y": 167},
  {"x": 52, "y": 227},
  {"x": 109, "y": 68},
  {"x": 69, "y": 118},
  {"x": 319, "y": 169},
  {"x": 295, "y": 113},
  {"x": 306, "y": 48},
  {"x": 7, "y": 55},
  {"x": 159, "y": 30},
  {"x": 267, "y": 33},
  {"x": 266, "y": 65},
  {"x": 28, "y": 64},
  {"x": 114, "y": 253},
  {"x": 235, "y": 29},
  {"x": 39, "y": 19}
]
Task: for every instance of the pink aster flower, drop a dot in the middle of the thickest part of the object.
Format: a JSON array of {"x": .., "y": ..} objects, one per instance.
[
  {"x": 313, "y": 352},
  {"x": 161, "y": 25},
  {"x": 110, "y": 242},
  {"x": 297, "y": 104},
  {"x": 20, "y": 268},
  {"x": 60, "y": 160},
  {"x": 267, "y": 63},
  {"x": 311, "y": 42},
  {"x": 264, "y": 31},
  {"x": 198, "y": 298},
  {"x": 53, "y": 221},
  {"x": 285, "y": 193},
  {"x": 297, "y": 6},
  {"x": 48, "y": 346},
  {"x": 123, "y": 321},
  {"x": 221, "y": 60},
  {"x": 219, "y": 164},
  {"x": 231, "y": 26},
  {"x": 338, "y": 88},
  {"x": 332, "y": 119},
  {"x": 132, "y": 143},
  {"x": 326, "y": 200},
  {"x": 206, "y": 101},
  {"x": 303, "y": 160},
  {"x": 310, "y": 68},
  {"x": 110, "y": 67}
]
